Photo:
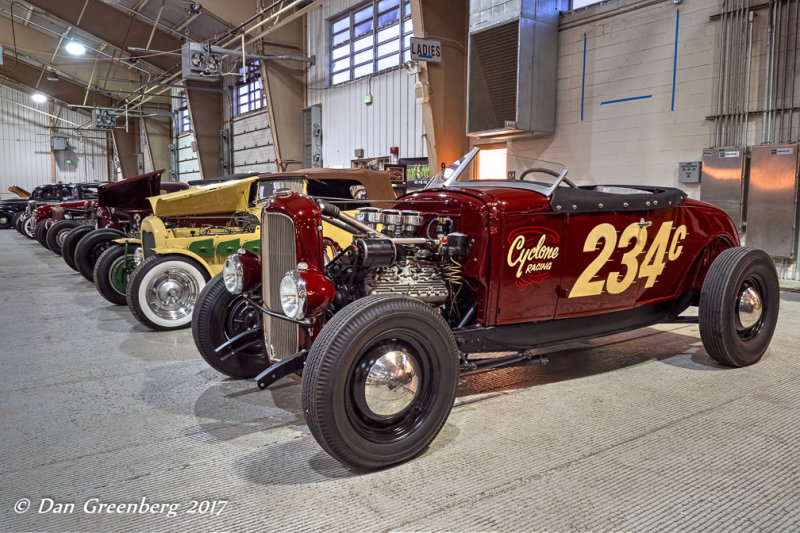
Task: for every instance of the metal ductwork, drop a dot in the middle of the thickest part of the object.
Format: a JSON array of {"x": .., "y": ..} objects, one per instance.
[{"x": 511, "y": 75}]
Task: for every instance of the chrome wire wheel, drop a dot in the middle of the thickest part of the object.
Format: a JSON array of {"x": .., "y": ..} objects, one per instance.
[{"x": 171, "y": 294}]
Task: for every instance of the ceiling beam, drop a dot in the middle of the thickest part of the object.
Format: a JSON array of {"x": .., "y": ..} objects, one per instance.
[
  {"x": 62, "y": 90},
  {"x": 233, "y": 12},
  {"x": 111, "y": 25}
]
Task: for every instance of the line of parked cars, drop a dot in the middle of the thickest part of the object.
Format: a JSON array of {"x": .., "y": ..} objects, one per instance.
[{"x": 380, "y": 303}]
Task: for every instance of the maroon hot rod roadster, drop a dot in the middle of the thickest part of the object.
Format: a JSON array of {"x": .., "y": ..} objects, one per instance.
[{"x": 382, "y": 329}]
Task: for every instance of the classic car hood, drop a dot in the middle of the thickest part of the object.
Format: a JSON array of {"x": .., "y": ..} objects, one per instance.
[
  {"x": 225, "y": 197},
  {"x": 13, "y": 201},
  {"x": 19, "y": 191},
  {"x": 131, "y": 193}
]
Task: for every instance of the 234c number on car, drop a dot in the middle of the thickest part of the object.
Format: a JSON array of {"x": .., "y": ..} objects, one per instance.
[{"x": 662, "y": 250}]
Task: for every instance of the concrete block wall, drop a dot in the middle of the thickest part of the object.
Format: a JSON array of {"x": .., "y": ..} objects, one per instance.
[{"x": 630, "y": 49}]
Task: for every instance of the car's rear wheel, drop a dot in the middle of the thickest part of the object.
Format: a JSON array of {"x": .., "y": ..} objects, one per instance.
[
  {"x": 41, "y": 232},
  {"x": 112, "y": 271},
  {"x": 218, "y": 317},
  {"x": 379, "y": 381},
  {"x": 58, "y": 232},
  {"x": 91, "y": 247},
  {"x": 162, "y": 291},
  {"x": 739, "y": 305},
  {"x": 5, "y": 220},
  {"x": 71, "y": 242}
]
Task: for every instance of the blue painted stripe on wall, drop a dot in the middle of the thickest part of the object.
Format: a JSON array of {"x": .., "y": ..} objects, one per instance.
[
  {"x": 583, "y": 76},
  {"x": 626, "y": 99},
  {"x": 675, "y": 58}
]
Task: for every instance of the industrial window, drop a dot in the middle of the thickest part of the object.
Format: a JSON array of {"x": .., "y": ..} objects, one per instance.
[
  {"x": 249, "y": 91},
  {"x": 184, "y": 124},
  {"x": 370, "y": 38},
  {"x": 577, "y": 4}
]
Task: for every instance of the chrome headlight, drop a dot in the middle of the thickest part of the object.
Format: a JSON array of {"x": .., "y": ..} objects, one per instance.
[
  {"x": 233, "y": 274},
  {"x": 292, "y": 292}
]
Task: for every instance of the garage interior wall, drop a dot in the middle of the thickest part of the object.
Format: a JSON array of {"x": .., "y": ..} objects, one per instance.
[
  {"x": 630, "y": 52},
  {"x": 393, "y": 119},
  {"x": 25, "y": 144}
]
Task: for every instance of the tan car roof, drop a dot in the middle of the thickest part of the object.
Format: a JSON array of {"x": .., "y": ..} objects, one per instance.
[{"x": 375, "y": 182}]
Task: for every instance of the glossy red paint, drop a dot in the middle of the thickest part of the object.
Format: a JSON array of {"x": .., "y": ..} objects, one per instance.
[
  {"x": 305, "y": 215},
  {"x": 511, "y": 226},
  {"x": 251, "y": 270},
  {"x": 320, "y": 291}
]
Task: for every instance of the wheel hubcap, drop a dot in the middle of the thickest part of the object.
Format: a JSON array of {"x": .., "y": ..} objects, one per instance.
[
  {"x": 749, "y": 306},
  {"x": 391, "y": 384},
  {"x": 172, "y": 294},
  {"x": 60, "y": 237},
  {"x": 3, "y": 220}
]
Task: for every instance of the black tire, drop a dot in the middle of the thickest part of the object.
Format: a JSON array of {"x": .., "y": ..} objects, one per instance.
[
  {"x": 58, "y": 232},
  {"x": 71, "y": 242},
  {"x": 335, "y": 400},
  {"x": 159, "y": 314},
  {"x": 731, "y": 335},
  {"x": 20, "y": 220},
  {"x": 112, "y": 271},
  {"x": 15, "y": 219},
  {"x": 6, "y": 220},
  {"x": 41, "y": 232},
  {"x": 219, "y": 316},
  {"x": 90, "y": 247}
]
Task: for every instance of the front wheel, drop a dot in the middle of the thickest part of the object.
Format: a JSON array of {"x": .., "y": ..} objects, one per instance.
[
  {"x": 112, "y": 271},
  {"x": 41, "y": 232},
  {"x": 379, "y": 381},
  {"x": 162, "y": 291},
  {"x": 91, "y": 247},
  {"x": 739, "y": 304},
  {"x": 29, "y": 227},
  {"x": 218, "y": 317},
  {"x": 70, "y": 242},
  {"x": 5, "y": 220},
  {"x": 58, "y": 232}
]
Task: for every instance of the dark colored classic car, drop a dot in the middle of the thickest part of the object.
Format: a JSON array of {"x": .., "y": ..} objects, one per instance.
[
  {"x": 77, "y": 208},
  {"x": 51, "y": 192},
  {"x": 121, "y": 206},
  {"x": 467, "y": 266}
]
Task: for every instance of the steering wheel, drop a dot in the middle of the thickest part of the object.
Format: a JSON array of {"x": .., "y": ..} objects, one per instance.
[{"x": 546, "y": 171}]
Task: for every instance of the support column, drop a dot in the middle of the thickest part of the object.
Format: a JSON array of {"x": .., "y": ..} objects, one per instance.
[
  {"x": 157, "y": 133},
  {"x": 443, "y": 86},
  {"x": 206, "y": 112},
  {"x": 127, "y": 145},
  {"x": 285, "y": 89}
]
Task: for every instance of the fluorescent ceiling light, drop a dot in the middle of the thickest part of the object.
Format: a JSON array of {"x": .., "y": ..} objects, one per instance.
[
  {"x": 39, "y": 98},
  {"x": 75, "y": 48}
]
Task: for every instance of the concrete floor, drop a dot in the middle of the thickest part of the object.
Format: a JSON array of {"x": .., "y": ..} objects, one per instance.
[{"x": 637, "y": 432}]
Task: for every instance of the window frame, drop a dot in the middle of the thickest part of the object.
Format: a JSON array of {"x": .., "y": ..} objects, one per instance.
[
  {"x": 183, "y": 123},
  {"x": 252, "y": 85},
  {"x": 403, "y": 51}
]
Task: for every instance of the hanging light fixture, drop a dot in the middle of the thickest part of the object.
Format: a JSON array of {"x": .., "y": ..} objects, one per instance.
[
  {"x": 39, "y": 98},
  {"x": 75, "y": 48}
]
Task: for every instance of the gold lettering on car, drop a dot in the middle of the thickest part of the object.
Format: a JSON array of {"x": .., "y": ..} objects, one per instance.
[
  {"x": 531, "y": 254},
  {"x": 661, "y": 250}
]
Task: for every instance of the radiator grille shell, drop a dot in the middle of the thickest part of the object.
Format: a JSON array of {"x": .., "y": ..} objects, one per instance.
[{"x": 278, "y": 256}]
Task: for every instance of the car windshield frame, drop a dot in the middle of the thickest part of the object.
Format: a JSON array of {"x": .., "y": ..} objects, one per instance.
[{"x": 453, "y": 175}]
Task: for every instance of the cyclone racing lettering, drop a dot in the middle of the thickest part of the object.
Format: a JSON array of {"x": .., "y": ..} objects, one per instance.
[{"x": 532, "y": 252}]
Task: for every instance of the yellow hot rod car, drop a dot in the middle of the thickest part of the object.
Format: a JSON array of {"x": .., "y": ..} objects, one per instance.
[{"x": 191, "y": 233}]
